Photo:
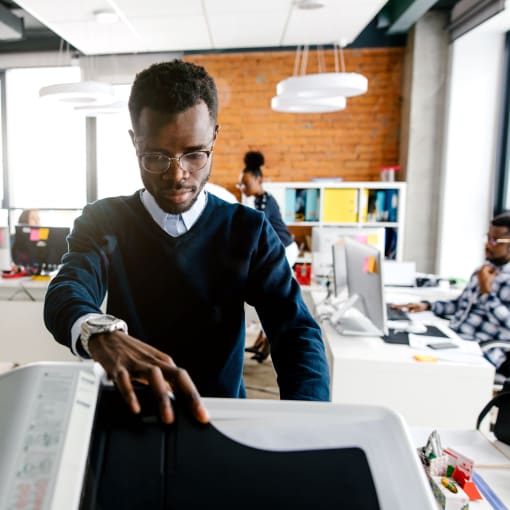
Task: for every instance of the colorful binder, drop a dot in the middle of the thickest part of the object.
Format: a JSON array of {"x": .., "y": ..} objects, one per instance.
[{"x": 340, "y": 205}]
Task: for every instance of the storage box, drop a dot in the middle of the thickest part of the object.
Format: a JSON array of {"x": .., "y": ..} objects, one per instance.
[{"x": 447, "y": 499}]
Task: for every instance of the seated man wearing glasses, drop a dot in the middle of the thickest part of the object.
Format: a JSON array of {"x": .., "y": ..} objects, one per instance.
[
  {"x": 178, "y": 265},
  {"x": 482, "y": 311}
]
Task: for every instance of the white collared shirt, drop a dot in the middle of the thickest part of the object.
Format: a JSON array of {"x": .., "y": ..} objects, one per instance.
[{"x": 174, "y": 224}]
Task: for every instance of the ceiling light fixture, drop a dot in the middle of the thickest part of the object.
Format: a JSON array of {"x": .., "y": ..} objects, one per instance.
[
  {"x": 106, "y": 17},
  {"x": 90, "y": 93},
  {"x": 308, "y": 104},
  {"x": 308, "y": 4},
  {"x": 300, "y": 90},
  {"x": 106, "y": 109}
]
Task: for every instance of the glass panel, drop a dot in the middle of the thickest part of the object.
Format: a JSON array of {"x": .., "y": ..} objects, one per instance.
[
  {"x": 46, "y": 142},
  {"x": 48, "y": 218},
  {"x": 1, "y": 148},
  {"x": 117, "y": 166}
]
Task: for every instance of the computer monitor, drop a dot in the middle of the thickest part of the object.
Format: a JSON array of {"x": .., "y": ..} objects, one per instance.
[
  {"x": 339, "y": 269},
  {"x": 39, "y": 248},
  {"x": 324, "y": 237},
  {"x": 364, "y": 279}
]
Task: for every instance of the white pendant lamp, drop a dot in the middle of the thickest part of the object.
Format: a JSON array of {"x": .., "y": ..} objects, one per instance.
[
  {"x": 286, "y": 104},
  {"x": 323, "y": 85},
  {"x": 90, "y": 93},
  {"x": 318, "y": 92},
  {"x": 105, "y": 109}
]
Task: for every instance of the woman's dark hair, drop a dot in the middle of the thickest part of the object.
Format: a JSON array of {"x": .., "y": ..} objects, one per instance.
[
  {"x": 172, "y": 87},
  {"x": 253, "y": 160}
]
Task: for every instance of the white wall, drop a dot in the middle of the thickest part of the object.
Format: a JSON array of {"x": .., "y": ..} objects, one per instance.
[{"x": 469, "y": 157}]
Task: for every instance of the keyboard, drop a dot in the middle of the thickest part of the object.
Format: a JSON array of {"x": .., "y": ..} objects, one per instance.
[{"x": 393, "y": 314}]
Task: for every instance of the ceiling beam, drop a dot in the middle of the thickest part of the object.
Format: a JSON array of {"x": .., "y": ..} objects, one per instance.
[
  {"x": 11, "y": 27},
  {"x": 400, "y": 15}
]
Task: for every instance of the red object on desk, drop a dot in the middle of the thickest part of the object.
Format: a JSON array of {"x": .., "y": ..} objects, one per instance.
[
  {"x": 303, "y": 273},
  {"x": 18, "y": 274}
]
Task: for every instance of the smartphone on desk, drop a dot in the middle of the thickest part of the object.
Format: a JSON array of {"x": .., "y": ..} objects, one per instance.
[{"x": 442, "y": 345}]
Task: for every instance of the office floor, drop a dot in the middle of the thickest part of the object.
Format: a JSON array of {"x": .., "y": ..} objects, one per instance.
[{"x": 259, "y": 378}]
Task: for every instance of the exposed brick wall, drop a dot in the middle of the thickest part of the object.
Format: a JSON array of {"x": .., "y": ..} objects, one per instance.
[{"x": 352, "y": 144}]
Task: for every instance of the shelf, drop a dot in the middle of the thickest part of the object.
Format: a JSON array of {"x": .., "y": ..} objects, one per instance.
[{"x": 360, "y": 209}]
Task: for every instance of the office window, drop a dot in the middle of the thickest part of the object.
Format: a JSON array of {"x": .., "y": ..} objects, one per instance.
[
  {"x": 1, "y": 141},
  {"x": 502, "y": 185},
  {"x": 117, "y": 166},
  {"x": 45, "y": 142}
]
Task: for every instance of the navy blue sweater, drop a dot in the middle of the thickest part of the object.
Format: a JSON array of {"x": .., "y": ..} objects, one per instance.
[{"x": 185, "y": 295}]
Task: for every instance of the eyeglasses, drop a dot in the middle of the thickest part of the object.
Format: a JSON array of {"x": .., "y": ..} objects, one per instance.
[
  {"x": 494, "y": 242},
  {"x": 158, "y": 163}
]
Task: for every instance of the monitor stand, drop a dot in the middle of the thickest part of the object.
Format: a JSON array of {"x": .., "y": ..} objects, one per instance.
[{"x": 349, "y": 325}]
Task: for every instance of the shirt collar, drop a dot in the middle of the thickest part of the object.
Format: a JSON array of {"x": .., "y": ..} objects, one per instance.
[{"x": 161, "y": 217}]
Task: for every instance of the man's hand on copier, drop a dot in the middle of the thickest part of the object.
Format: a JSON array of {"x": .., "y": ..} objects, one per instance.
[{"x": 126, "y": 359}]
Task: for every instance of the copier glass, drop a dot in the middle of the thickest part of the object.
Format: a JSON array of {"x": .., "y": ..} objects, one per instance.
[{"x": 68, "y": 441}]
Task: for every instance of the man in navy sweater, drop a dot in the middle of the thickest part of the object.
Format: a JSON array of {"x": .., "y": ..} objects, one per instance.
[{"x": 178, "y": 265}]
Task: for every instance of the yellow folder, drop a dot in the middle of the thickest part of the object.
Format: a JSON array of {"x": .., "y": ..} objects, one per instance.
[{"x": 340, "y": 205}]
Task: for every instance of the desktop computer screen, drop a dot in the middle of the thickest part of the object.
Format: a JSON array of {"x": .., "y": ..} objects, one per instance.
[
  {"x": 39, "y": 248},
  {"x": 324, "y": 237},
  {"x": 363, "y": 264}
]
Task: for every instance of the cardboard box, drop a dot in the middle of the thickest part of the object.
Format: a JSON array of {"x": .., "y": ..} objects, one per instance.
[{"x": 447, "y": 499}]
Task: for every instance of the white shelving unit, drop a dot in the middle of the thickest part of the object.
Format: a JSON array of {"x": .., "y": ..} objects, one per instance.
[{"x": 360, "y": 205}]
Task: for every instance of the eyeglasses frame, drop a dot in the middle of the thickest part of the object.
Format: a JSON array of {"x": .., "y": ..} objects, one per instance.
[
  {"x": 177, "y": 158},
  {"x": 495, "y": 242}
]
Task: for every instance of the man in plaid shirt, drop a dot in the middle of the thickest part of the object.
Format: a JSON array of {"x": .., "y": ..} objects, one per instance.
[{"x": 482, "y": 311}]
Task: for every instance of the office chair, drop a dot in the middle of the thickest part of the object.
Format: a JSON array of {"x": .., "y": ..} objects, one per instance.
[{"x": 485, "y": 346}]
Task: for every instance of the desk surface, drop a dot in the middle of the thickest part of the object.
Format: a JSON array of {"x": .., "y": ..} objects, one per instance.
[
  {"x": 23, "y": 289},
  {"x": 366, "y": 370}
]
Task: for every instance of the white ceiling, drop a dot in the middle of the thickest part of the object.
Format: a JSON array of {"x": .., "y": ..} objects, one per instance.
[{"x": 180, "y": 25}]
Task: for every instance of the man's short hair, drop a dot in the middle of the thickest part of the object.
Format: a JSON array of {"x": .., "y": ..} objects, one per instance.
[
  {"x": 172, "y": 87},
  {"x": 501, "y": 220}
]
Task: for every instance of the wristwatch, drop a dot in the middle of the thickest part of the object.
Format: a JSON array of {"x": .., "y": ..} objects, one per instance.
[{"x": 101, "y": 324}]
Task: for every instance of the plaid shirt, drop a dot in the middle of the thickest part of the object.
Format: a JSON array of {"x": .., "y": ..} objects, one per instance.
[{"x": 486, "y": 317}]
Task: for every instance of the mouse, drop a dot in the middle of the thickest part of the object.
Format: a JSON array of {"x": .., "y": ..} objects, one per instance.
[{"x": 416, "y": 328}]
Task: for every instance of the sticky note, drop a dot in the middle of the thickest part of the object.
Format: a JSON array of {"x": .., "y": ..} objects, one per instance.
[
  {"x": 34, "y": 234},
  {"x": 425, "y": 357},
  {"x": 371, "y": 265},
  {"x": 361, "y": 238},
  {"x": 372, "y": 239},
  {"x": 44, "y": 233}
]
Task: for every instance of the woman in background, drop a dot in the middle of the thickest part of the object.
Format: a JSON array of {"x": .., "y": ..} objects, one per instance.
[
  {"x": 251, "y": 184},
  {"x": 29, "y": 217}
]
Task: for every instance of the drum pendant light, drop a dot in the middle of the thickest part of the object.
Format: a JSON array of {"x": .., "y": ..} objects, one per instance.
[
  {"x": 83, "y": 93},
  {"x": 318, "y": 92}
]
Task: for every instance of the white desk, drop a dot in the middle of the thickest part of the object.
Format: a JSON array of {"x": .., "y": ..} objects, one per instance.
[
  {"x": 22, "y": 289},
  {"x": 366, "y": 370},
  {"x": 23, "y": 335}
]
